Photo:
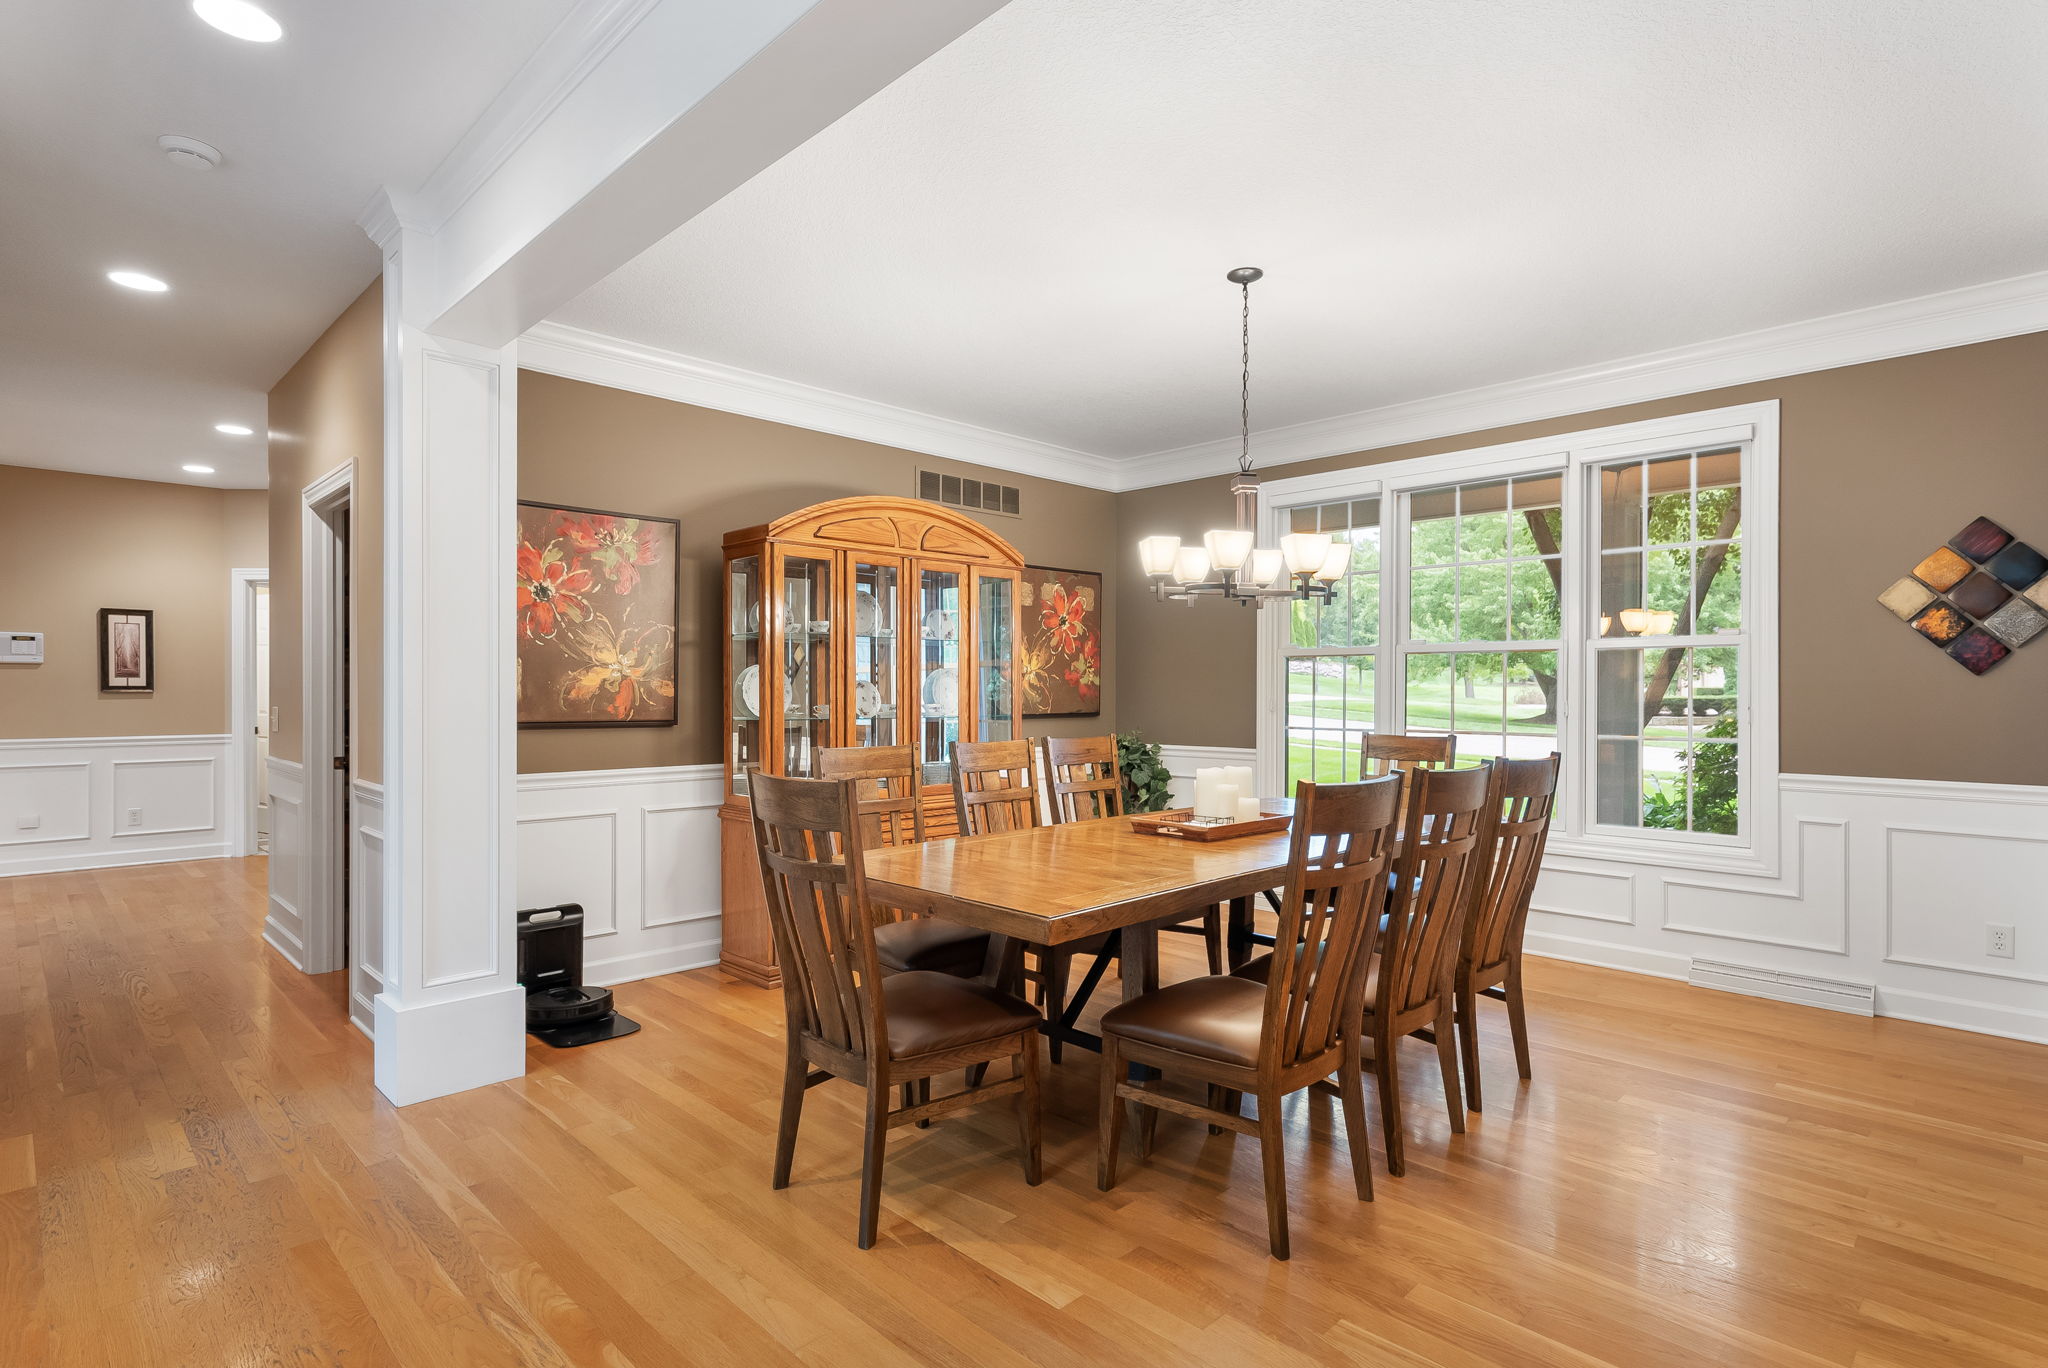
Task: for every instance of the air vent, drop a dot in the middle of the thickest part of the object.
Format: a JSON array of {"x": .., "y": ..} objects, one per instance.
[
  {"x": 979, "y": 496},
  {"x": 1837, "y": 995}
]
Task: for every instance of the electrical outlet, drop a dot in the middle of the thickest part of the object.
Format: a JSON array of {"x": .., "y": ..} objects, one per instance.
[
  {"x": 28, "y": 823},
  {"x": 1999, "y": 941},
  {"x": 134, "y": 816}
]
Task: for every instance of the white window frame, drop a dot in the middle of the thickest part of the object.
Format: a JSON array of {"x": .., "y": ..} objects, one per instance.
[{"x": 1577, "y": 456}]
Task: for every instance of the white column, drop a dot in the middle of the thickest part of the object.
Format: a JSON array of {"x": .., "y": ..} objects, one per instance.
[{"x": 450, "y": 1016}]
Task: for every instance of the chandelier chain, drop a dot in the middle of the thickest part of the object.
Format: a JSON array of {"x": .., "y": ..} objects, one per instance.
[{"x": 1244, "y": 395}]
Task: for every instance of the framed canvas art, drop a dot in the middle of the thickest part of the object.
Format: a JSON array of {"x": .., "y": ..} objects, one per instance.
[
  {"x": 1059, "y": 668},
  {"x": 597, "y": 595},
  {"x": 127, "y": 650}
]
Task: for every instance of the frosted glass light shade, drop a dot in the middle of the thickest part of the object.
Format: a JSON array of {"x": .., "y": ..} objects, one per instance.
[
  {"x": 1191, "y": 565},
  {"x": 1335, "y": 562},
  {"x": 1661, "y": 621},
  {"x": 1156, "y": 554},
  {"x": 1266, "y": 568},
  {"x": 1304, "y": 551},
  {"x": 1634, "y": 620},
  {"x": 1228, "y": 547}
]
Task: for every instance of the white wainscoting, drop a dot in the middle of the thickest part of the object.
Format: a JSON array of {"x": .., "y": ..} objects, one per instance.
[
  {"x": 1886, "y": 884},
  {"x": 365, "y": 902},
  {"x": 638, "y": 848},
  {"x": 284, "y": 925},
  {"x": 78, "y": 793}
]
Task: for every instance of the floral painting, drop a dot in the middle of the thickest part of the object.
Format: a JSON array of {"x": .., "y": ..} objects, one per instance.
[
  {"x": 597, "y": 618},
  {"x": 1059, "y": 664}
]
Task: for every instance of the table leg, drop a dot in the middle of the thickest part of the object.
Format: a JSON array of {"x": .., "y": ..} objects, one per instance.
[
  {"x": 1140, "y": 974},
  {"x": 1238, "y": 938},
  {"x": 1002, "y": 965}
]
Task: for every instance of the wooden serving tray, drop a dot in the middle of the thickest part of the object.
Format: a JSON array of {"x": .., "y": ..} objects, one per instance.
[{"x": 1176, "y": 824}]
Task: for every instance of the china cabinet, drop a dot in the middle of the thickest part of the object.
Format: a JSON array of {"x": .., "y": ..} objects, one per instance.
[{"x": 870, "y": 621}]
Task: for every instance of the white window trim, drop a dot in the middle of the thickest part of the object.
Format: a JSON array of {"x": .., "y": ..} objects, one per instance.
[{"x": 1755, "y": 427}]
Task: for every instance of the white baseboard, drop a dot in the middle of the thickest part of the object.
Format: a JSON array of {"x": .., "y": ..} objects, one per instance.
[
  {"x": 1961, "y": 1014},
  {"x": 111, "y": 859},
  {"x": 617, "y": 969},
  {"x": 1608, "y": 955},
  {"x": 278, "y": 938}
]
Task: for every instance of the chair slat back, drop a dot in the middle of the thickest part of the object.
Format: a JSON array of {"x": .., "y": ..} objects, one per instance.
[
  {"x": 891, "y": 810},
  {"x": 1513, "y": 831},
  {"x": 1431, "y": 889},
  {"x": 1082, "y": 778},
  {"x": 807, "y": 832},
  {"x": 995, "y": 786},
  {"x": 1388, "y": 753},
  {"x": 1342, "y": 842}
]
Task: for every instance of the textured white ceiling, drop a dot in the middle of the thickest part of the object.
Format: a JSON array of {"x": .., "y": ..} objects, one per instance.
[
  {"x": 1029, "y": 231},
  {"x": 261, "y": 253}
]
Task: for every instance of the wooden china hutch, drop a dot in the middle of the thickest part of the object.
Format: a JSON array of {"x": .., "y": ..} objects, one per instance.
[{"x": 871, "y": 621}]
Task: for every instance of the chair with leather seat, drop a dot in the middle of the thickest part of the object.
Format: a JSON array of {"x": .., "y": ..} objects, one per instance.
[
  {"x": 995, "y": 789},
  {"x": 845, "y": 1019},
  {"x": 1273, "y": 1037},
  {"x": 1083, "y": 783},
  {"x": 892, "y": 813},
  {"x": 1513, "y": 831}
]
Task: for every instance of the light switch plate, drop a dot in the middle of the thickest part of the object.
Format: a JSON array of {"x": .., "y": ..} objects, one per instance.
[{"x": 21, "y": 648}]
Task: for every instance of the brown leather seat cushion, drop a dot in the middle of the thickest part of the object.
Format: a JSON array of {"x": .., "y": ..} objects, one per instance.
[
  {"x": 929, "y": 943},
  {"x": 1212, "y": 1018},
  {"x": 930, "y": 1011},
  {"x": 1259, "y": 966}
]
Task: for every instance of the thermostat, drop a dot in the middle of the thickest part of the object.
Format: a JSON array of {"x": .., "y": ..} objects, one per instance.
[{"x": 21, "y": 648}]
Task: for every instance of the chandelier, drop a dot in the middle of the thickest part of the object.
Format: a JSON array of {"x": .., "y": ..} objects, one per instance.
[{"x": 1229, "y": 563}]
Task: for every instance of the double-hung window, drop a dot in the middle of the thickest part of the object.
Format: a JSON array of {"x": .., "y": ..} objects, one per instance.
[{"x": 1608, "y": 594}]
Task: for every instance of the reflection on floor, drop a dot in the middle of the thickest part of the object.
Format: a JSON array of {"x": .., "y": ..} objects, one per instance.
[{"x": 195, "y": 1170}]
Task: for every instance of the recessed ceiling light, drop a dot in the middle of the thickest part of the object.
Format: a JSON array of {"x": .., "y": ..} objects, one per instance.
[
  {"x": 136, "y": 280},
  {"x": 233, "y": 429},
  {"x": 239, "y": 19},
  {"x": 198, "y": 470},
  {"x": 189, "y": 153}
]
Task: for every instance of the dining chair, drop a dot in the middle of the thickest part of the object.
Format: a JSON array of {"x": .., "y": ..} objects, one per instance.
[
  {"x": 995, "y": 789},
  {"x": 1514, "y": 828},
  {"x": 1084, "y": 782},
  {"x": 1411, "y": 987},
  {"x": 844, "y": 1018},
  {"x": 1271, "y": 1038},
  {"x": 891, "y": 814},
  {"x": 1387, "y": 753}
]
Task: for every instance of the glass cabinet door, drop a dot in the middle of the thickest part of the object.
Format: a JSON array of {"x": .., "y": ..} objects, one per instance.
[
  {"x": 806, "y": 610},
  {"x": 995, "y": 684},
  {"x": 743, "y": 606},
  {"x": 877, "y": 663},
  {"x": 938, "y": 671}
]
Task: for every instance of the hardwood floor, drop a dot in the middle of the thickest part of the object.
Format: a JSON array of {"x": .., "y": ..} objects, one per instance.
[{"x": 194, "y": 1170}]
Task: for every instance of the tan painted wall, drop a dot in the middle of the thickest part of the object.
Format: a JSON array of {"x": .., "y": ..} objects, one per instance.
[
  {"x": 594, "y": 447},
  {"x": 1880, "y": 464},
  {"x": 71, "y": 545},
  {"x": 327, "y": 411}
]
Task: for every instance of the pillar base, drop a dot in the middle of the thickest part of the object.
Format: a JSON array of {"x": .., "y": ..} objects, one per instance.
[{"x": 450, "y": 1045}]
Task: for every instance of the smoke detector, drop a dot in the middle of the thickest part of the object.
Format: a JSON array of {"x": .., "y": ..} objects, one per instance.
[{"x": 189, "y": 153}]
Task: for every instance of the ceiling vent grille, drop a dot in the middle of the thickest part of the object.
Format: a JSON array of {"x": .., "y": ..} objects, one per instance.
[{"x": 979, "y": 496}]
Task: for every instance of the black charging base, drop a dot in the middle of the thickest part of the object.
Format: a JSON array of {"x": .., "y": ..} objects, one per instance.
[{"x": 610, "y": 1026}]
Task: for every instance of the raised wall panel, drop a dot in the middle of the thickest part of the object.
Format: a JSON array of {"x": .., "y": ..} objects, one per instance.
[
  {"x": 366, "y": 903},
  {"x": 175, "y": 796},
  {"x": 57, "y": 794},
  {"x": 572, "y": 857},
  {"x": 1588, "y": 894},
  {"x": 1807, "y": 908},
  {"x": 679, "y": 864},
  {"x": 1944, "y": 886}
]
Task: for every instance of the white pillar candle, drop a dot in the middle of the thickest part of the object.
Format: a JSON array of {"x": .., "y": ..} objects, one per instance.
[
  {"x": 1240, "y": 775},
  {"x": 1226, "y": 802},
  {"x": 1206, "y": 781},
  {"x": 1248, "y": 810}
]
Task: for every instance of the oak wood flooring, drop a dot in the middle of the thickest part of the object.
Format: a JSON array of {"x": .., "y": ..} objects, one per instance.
[{"x": 195, "y": 1170}]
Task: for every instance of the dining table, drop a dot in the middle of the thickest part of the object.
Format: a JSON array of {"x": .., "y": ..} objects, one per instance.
[{"x": 1049, "y": 885}]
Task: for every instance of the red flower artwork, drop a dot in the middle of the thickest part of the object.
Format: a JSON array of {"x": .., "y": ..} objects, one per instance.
[
  {"x": 550, "y": 591},
  {"x": 619, "y": 546},
  {"x": 1059, "y": 657},
  {"x": 1065, "y": 618}
]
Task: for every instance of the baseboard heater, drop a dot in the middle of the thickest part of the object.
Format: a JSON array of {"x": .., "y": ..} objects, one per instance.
[{"x": 1858, "y": 999}]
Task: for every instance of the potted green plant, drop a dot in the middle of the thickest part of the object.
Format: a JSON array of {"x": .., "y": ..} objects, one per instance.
[{"x": 1146, "y": 781}]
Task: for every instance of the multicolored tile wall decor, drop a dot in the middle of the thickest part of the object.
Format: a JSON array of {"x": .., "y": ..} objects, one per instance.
[{"x": 1980, "y": 598}]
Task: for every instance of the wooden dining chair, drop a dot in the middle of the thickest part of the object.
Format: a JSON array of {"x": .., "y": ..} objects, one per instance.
[
  {"x": 891, "y": 814},
  {"x": 1299, "y": 1025},
  {"x": 1411, "y": 987},
  {"x": 844, "y": 1018},
  {"x": 995, "y": 789},
  {"x": 1083, "y": 782},
  {"x": 1514, "y": 828},
  {"x": 1387, "y": 753}
]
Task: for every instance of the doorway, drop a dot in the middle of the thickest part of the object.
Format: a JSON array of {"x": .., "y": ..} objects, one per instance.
[
  {"x": 250, "y": 713},
  {"x": 325, "y": 709}
]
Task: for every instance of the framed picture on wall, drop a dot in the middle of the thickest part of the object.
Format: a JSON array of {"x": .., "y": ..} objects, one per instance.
[
  {"x": 127, "y": 650},
  {"x": 1059, "y": 666},
  {"x": 597, "y": 594}
]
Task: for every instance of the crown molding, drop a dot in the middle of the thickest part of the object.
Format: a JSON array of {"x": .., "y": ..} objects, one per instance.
[
  {"x": 1953, "y": 318},
  {"x": 585, "y": 37},
  {"x": 576, "y": 354},
  {"x": 385, "y": 216}
]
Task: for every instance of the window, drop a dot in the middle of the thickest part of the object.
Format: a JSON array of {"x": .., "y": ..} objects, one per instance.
[
  {"x": 1609, "y": 595},
  {"x": 1332, "y": 653}
]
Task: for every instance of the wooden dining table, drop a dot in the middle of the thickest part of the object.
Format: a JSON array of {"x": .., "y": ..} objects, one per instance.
[{"x": 1054, "y": 884}]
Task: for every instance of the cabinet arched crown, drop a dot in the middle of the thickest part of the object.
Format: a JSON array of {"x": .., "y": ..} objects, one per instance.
[{"x": 905, "y": 527}]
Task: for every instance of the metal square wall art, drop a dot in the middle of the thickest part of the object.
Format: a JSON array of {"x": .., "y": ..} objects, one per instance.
[{"x": 1979, "y": 598}]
